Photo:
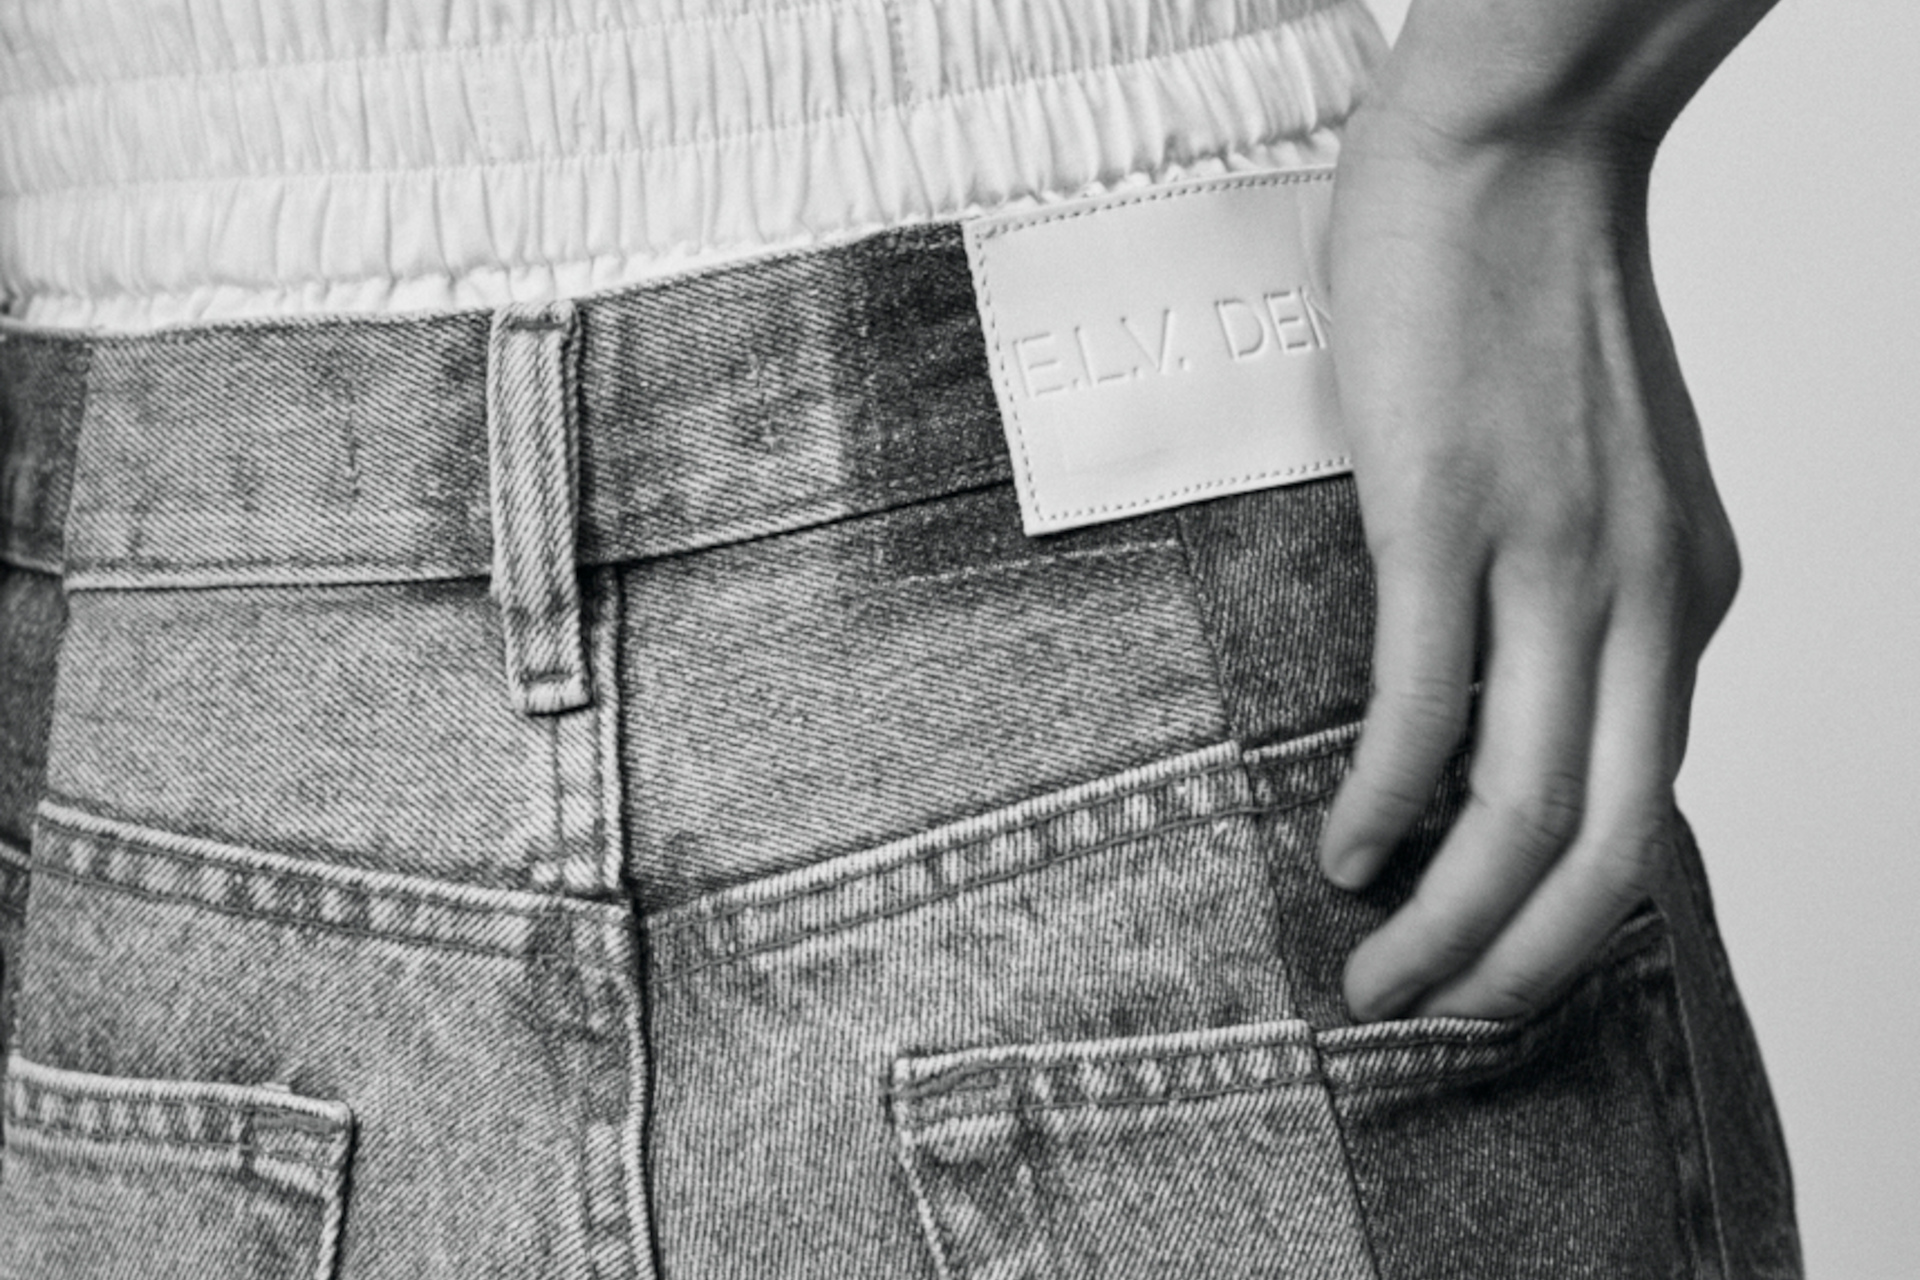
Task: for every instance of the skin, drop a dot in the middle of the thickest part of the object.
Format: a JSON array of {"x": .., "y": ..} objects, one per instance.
[{"x": 1533, "y": 484}]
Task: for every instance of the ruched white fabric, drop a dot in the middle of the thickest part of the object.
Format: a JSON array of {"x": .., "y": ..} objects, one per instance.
[{"x": 171, "y": 160}]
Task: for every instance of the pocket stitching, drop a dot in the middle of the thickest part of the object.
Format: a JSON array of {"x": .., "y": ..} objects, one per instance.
[
  {"x": 702, "y": 925},
  {"x": 151, "y": 847},
  {"x": 328, "y": 1150},
  {"x": 679, "y": 920},
  {"x": 946, "y": 895}
]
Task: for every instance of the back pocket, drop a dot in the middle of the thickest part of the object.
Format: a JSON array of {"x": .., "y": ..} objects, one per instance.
[
  {"x": 1564, "y": 1144},
  {"x": 159, "y": 1180},
  {"x": 1211, "y": 1153}
]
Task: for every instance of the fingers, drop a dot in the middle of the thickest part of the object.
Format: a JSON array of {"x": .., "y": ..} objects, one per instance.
[
  {"x": 1423, "y": 668},
  {"x": 1619, "y": 857},
  {"x": 1529, "y": 784}
]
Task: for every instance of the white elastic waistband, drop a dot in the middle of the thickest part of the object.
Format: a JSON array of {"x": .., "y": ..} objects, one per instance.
[{"x": 165, "y": 160}]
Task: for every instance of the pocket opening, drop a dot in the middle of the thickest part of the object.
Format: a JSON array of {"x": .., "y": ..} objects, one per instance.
[{"x": 245, "y": 1182}]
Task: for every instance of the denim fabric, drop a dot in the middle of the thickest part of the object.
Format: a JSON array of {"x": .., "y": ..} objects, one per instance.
[
  {"x": 895, "y": 895},
  {"x": 240, "y": 1181}
]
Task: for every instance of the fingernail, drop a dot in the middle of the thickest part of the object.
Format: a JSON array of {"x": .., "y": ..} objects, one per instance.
[
  {"x": 1352, "y": 868},
  {"x": 1391, "y": 1004}
]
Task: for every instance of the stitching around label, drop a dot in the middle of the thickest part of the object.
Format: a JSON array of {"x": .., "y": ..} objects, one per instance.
[
  {"x": 1012, "y": 407},
  {"x": 1291, "y": 178}
]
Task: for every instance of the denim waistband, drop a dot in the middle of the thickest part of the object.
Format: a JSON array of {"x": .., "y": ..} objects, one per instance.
[{"x": 743, "y": 401}]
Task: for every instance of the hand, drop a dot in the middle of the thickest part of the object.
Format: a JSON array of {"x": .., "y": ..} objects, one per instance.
[{"x": 1537, "y": 501}]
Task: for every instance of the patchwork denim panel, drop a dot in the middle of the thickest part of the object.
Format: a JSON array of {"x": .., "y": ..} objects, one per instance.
[
  {"x": 804, "y": 696},
  {"x": 33, "y": 614},
  {"x": 488, "y": 1043},
  {"x": 1132, "y": 905},
  {"x": 370, "y": 726}
]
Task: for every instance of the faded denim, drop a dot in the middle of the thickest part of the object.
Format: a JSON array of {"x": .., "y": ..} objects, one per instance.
[{"x": 612, "y": 792}]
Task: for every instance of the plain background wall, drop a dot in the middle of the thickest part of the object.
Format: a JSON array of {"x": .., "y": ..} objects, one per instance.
[{"x": 1786, "y": 223}]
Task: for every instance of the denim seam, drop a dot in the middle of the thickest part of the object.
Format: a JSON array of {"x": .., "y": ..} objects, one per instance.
[
  {"x": 42, "y": 862},
  {"x": 1332, "y": 741},
  {"x": 1198, "y": 600},
  {"x": 1145, "y": 787},
  {"x": 960, "y": 847},
  {"x": 26, "y": 563},
  {"x": 1072, "y": 1063},
  {"x": 44, "y": 866},
  {"x": 526, "y": 956},
  {"x": 66, "y": 445},
  {"x": 16, "y": 874},
  {"x": 571, "y": 855},
  {"x": 1512, "y": 1048},
  {"x": 991, "y": 1079},
  {"x": 1018, "y": 1106},
  {"x": 322, "y": 1159},
  {"x": 1690, "y": 1042},
  {"x": 939, "y": 1239},
  {"x": 165, "y": 846},
  {"x": 120, "y": 572},
  {"x": 1354, "y": 1184},
  {"x": 605, "y": 852},
  {"x": 613, "y": 1000},
  {"x": 1463, "y": 1037},
  {"x": 708, "y": 923},
  {"x": 770, "y": 510},
  {"x": 318, "y": 1133},
  {"x": 1495, "y": 1036},
  {"x": 1696, "y": 1114},
  {"x": 1042, "y": 561},
  {"x": 323, "y": 1151},
  {"x": 1014, "y": 873},
  {"x": 549, "y": 856},
  {"x": 1689, "y": 871}
]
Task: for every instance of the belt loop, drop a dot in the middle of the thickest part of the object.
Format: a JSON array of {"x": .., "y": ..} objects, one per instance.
[{"x": 532, "y": 483}]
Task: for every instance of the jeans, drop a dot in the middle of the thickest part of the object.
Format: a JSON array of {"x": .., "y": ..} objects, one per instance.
[{"x": 608, "y": 790}]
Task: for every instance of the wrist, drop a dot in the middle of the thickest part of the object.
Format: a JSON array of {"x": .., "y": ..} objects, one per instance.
[
  {"x": 1600, "y": 78},
  {"x": 1582, "y": 182}
]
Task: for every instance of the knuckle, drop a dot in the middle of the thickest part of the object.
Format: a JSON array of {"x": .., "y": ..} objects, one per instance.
[
  {"x": 1436, "y": 512},
  {"x": 1571, "y": 530},
  {"x": 1399, "y": 793},
  {"x": 1517, "y": 993},
  {"x": 1636, "y": 864},
  {"x": 1626, "y": 866},
  {"x": 1656, "y": 561},
  {"x": 1718, "y": 574},
  {"x": 1682, "y": 556},
  {"x": 1545, "y": 817},
  {"x": 1426, "y": 706},
  {"x": 1450, "y": 934},
  {"x": 1446, "y": 491}
]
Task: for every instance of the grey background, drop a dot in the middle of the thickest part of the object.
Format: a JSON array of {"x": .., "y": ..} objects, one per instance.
[{"x": 1788, "y": 249}]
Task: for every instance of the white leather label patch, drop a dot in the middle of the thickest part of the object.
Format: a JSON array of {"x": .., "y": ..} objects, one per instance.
[{"x": 1155, "y": 347}]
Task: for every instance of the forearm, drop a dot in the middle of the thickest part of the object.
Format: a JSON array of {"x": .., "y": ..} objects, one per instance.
[{"x": 1600, "y": 76}]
